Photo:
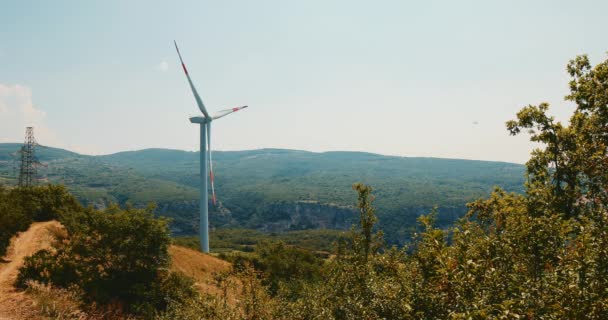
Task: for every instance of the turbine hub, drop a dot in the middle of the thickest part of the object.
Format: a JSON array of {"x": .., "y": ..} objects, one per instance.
[{"x": 200, "y": 120}]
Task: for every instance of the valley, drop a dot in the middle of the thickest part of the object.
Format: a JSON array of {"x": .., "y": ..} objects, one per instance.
[{"x": 275, "y": 190}]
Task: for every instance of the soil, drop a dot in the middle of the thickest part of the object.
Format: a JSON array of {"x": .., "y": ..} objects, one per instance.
[
  {"x": 15, "y": 304},
  {"x": 18, "y": 305}
]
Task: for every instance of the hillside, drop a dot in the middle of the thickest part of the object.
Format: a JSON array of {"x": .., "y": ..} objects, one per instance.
[
  {"x": 17, "y": 305},
  {"x": 199, "y": 266},
  {"x": 276, "y": 190}
]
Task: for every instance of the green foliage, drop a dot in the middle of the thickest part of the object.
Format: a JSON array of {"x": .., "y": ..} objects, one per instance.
[
  {"x": 115, "y": 257},
  {"x": 363, "y": 242},
  {"x": 256, "y": 185},
  {"x": 501, "y": 262},
  {"x": 254, "y": 303},
  {"x": 354, "y": 277},
  {"x": 226, "y": 240},
  {"x": 542, "y": 255},
  {"x": 19, "y": 207},
  {"x": 262, "y": 188},
  {"x": 205, "y": 307},
  {"x": 47, "y": 202},
  {"x": 286, "y": 267},
  {"x": 573, "y": 157},
  {"x": 538, "y": 255},
  {"x": 12, "y": 219}
]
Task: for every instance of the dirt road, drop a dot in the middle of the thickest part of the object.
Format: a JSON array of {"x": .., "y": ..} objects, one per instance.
[{"x": 14, "y": 304}]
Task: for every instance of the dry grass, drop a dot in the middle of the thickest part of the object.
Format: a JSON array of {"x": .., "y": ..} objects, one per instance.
[
  {"x": 205, "y": 269},
  {"x": 211, "y": 276},
  {"x": 55, "y": 303},
  {"x": 15, "y": 304}
]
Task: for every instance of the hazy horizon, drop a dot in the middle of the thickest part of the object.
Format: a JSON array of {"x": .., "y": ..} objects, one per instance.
[
  {"x": 436, "y": 79},
  {"x": 268, "y": 148}
]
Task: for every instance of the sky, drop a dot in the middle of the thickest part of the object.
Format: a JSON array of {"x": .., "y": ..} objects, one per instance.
[{"x": 406, "y": 78}]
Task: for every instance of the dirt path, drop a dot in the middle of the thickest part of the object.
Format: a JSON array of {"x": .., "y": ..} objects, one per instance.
[{"x": 15, "y": 304}]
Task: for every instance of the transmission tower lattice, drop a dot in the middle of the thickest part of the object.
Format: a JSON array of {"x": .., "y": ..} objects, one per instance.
[{"x": 27, "y": 168}]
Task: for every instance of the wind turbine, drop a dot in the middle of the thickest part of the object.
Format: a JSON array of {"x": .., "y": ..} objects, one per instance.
[{"x": 205, "y": 156}]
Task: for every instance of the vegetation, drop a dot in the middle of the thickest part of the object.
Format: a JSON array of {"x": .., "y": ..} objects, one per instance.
[
  {"x": 21, "y": 206},
  {"x": 261, "y": 189},
  {"x": 538, "y": 255},
  {"x": 114, "y": 257},
  {"x": 542, "y": 254},
  {"x": 226, "y": 240}
]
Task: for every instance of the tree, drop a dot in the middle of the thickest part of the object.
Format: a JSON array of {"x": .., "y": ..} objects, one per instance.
[
  {"x": 13, "y": 219},
  {"x": 286, "y": 267},
  {"x": 570, "y": 174},
  {"x": 114, "y": 257},
  {"x": 19, "y": 207},
  {"x": 540, "y": 255}
]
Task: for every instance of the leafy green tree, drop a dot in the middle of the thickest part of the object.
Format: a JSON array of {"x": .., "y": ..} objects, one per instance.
[
  {"x": 570, "y": 170},
  {"x": 541, "y": 255},
  {"x": 364, "y": 242},
  {"x": 13, "y": 219},
  {"x": 286, "y": 267},
  {"x": 569, "y": 176},
  {"x": 19, "y": 207},
  {"x": 355, "y": 284},
  {"x": 46, "y": 202},
  {"x": 112, "y": 256}
]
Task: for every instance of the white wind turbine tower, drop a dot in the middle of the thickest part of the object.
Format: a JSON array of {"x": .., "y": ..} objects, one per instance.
[{"x": 205, "y": 157}]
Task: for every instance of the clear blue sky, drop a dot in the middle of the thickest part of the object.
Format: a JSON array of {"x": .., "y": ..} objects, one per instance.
[{"x": 391, "y": 77}]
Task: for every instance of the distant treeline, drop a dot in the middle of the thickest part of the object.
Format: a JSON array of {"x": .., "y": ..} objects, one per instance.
[
  {"x": 226, "y": 240},
  {"x": 262, "y": 189}
]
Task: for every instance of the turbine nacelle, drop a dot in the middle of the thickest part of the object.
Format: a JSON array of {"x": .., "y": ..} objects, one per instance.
[{"x": 198, "y": 120}]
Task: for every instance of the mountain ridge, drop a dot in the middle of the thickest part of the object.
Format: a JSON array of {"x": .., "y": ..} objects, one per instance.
[
  {"x": 263, "y": 189},
  {"x": 16, "y": 145}
]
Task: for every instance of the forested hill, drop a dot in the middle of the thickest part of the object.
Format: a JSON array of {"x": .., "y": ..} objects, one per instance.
[{"x": 275, "y": 189}]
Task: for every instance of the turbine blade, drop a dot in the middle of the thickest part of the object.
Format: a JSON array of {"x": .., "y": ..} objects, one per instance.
[
  {"x": 211, "y": 177},
  {"x": 225, "y": 112},
  {"x": 199, "y": 102}
]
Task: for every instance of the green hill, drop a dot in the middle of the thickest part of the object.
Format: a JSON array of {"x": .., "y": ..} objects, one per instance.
[
  {"x": 8, "y": 150},
  {"x": 274, "y": 189}
]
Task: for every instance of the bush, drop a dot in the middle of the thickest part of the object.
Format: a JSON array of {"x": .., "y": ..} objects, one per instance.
[
  {"x": 285, "y": 266},
  {"x": 20, "y": 206},
  {"x": 115, "y": 257},
  {"x": 55, "y": 303},
  {"x": 47, "y": 202},
  {"x": 13, "y": 219}
]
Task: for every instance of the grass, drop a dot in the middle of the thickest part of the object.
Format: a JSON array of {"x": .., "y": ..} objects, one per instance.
[{"x": 226, "y": 240}]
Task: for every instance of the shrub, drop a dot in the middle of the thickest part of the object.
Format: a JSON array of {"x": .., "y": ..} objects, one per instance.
[
  {"x": 13, "y": 219},
  {"x": 20, "y": 206},
  {"x": 115, "y": 257},
  {"x": 46, "y": 202},
  {"x": 55, "y": 303},
  {"x": 286, "y": 266}
]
